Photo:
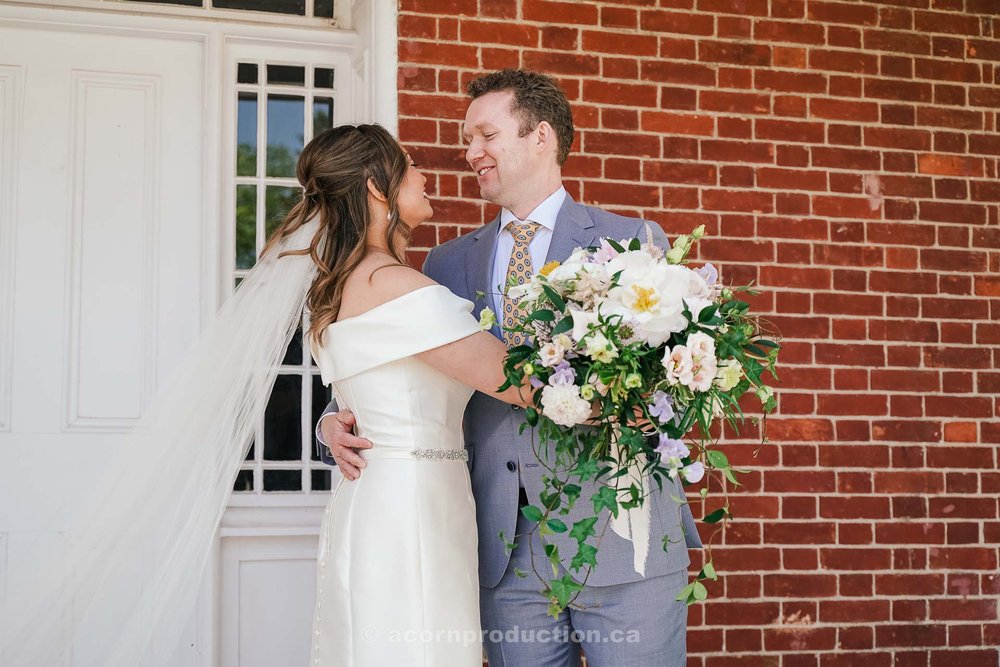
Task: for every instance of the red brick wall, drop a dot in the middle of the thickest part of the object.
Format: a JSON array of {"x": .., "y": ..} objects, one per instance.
[{"x": 844, "y": 156}]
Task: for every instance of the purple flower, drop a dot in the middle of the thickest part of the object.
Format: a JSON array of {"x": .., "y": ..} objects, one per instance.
[
  {"x": 709, "y": 273},
  {"x": 671, "y": 447},
  {"x": 535, "y": 382},
  {"x": 564, "y": 374},
  {"x": 662, "y": 407},
  {"x": 694, "y": 472}
]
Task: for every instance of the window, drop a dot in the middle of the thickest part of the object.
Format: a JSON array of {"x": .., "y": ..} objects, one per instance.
[
  {"x": 315, "y": 8},
  {"x": 279, "y": 106}
]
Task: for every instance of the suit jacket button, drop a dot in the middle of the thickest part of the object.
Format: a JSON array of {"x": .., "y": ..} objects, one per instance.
[
  {"x": 515, "y": 408},
  {"x": 511, "y": 466}
]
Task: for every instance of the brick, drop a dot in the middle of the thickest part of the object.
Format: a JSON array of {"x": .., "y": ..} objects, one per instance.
[
  {"x": 545, "y": 11},
  {"x": 677, "y": 22},
  {"x": 555, "y": 62},
  {"x": 437, "y": 53},
  {"x": 674, "y": 123},
  {"x": 750, "y": 55},
  {"x": 789, "y": 31},
  {"x": 678, "y": 73}
]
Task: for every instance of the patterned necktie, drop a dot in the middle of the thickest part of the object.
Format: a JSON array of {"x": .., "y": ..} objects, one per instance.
[{"x": 518, "y": 272}]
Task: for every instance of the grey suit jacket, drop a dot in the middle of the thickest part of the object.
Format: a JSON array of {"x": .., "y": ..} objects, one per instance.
[{"x": 499, "y": 455}]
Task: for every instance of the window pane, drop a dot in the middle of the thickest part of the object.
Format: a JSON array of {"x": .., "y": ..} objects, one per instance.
[
  {"x": 323, "y": 77},
  {"x": 275, "y": 6},
  {"x": 246, "y": 73},
  {"x": 322, "y": 114},
  {"x": 246, "y": 226},
  {"x": 246, "y": 134},
  {"x": 283, "y": 420},
  {"x": 293, "y": 355},
  {"x": 282, "y": 480},
  {"x": 249, "y": 456},
  {"x": 320, "y": 480},
  {"x": 284, "y": 133},
  {"x": 286, "y": 75},
  {"x": 279, "y": 200},
  {"x": 320, "y": 399},
  {"x": 244, "y": 481},
  {"x": 187, "y": 3}
]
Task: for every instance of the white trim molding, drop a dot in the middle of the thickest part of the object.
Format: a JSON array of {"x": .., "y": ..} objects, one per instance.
[{"x": 10, "y": 124}]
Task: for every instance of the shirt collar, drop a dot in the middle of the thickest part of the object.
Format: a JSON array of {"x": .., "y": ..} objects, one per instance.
[{"x": 545, "y": 214}]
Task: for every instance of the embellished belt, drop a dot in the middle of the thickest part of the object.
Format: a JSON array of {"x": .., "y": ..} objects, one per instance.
[{"x": 415, "y": 454}]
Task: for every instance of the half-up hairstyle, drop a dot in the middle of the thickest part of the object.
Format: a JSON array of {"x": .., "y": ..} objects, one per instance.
[{"x": 334, "y": 169}]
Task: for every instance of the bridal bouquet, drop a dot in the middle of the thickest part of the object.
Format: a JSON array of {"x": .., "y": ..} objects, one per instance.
[{"x": 635, "y": 355}]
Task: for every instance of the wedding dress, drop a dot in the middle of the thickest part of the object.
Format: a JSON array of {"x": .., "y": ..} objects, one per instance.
[{"x": 397, "y": 570}]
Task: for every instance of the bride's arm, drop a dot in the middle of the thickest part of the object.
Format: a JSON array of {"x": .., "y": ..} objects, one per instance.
[{"x": 477, "y": 361}]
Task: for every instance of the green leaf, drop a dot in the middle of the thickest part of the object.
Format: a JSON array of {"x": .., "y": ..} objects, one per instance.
[
  {"x": 583, "y": 528},
  {"x": 554, "y": 297},
  {"x": 531, "y": 416},
  {"x": 634, "y": 244},
  {"x": 564, "y": 588},
  {"x": 605, "y": 497},
  {"x": 564, "y": 325},
  {"x": 542, "y": 315},
  {"x": 714, "y": 517},
  {"x": 699, "y": 592},
  {"x": 717, "y": 459},
  {"x": 586, "y": 556},
  {"x": 531, "y": 513},
  {"x": 708, "y": 572},
  {"x": 615, "y": 244},
  {"x": 556, "y": 526}
]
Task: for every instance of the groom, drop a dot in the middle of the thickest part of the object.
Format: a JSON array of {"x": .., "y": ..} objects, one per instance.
[{"x": 519, "y": 129}]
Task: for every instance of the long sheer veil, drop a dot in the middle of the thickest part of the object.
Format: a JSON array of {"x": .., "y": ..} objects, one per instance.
[{"x": 128, "y": 569}]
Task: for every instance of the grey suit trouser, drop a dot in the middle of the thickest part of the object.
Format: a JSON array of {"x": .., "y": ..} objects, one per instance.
[{"x": 637, "y": 624}]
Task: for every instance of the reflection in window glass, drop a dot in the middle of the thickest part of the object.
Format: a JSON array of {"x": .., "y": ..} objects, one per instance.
[
  {"x": 321, "y": 396},
  {"x": 322, "y": 114},
  {"x": 283, "y": 420},
  {"x": 282, "y": 480},
  {"x": 278, "y": 201},
  {"x": 285, "y": 133},
  {"x": 246, "y": 226},
  {"x": 323, "y": 8},
  {"x": 246, "y": 134}
]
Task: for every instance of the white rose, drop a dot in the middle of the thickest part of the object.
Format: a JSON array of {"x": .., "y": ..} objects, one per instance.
[
  {"x": 704, "y": 375},
  {"x": 563, "y": 405},
  {"x": 679, "y": 366},
  {"x": 702, "y": 346},
  {"x": 551, "y": 354}
]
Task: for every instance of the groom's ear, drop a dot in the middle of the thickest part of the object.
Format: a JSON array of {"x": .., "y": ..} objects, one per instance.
[
  {"x": 546, "y": 137},
  {"x": 374, "y": 191}
]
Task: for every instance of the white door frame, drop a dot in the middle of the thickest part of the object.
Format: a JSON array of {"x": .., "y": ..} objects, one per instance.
[{"x": 371, "y": 43}]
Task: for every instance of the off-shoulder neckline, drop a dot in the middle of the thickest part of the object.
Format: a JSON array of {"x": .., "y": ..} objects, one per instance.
[{"x": 384, "y": 304}]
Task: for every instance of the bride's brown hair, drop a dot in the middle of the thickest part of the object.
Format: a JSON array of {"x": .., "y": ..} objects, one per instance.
[{"x": 334, "y": 169}]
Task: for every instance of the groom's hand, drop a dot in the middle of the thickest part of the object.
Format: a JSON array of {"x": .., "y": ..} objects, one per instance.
[{"x": 337, "y": 431}]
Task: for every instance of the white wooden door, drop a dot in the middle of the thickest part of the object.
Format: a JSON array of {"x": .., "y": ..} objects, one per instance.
[{"x": 101, "y": 241}]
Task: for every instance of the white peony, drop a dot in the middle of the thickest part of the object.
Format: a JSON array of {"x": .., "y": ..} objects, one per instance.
[
  {"x": 649, "y": 293},
  {"x": 563, "y": 405}
]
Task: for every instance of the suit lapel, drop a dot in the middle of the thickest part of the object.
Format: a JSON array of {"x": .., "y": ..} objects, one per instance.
[
  {"x": 479, "y": 267},
  {"x": 574, "y": 229}
]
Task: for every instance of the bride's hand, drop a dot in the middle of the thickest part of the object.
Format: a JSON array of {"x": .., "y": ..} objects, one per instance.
[{"x": 337, "y": 431}]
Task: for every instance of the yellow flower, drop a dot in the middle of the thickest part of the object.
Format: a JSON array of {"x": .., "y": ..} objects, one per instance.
[
  {"x": 549, "y": 268},
  {"x": 646, "y": 299}
]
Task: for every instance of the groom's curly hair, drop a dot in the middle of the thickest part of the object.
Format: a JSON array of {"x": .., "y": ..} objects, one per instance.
[{"x": 536, "y": 98}]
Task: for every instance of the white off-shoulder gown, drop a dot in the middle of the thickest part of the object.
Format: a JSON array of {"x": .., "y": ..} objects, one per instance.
[{"x": 397, "y": 577}]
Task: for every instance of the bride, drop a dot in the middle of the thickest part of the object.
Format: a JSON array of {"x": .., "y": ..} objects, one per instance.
[
  {"x": 397, "y": 577},
  {"x": 397, "y": 568}
]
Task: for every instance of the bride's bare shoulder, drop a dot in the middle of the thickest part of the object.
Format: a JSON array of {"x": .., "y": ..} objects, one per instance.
[{"x": 379, "y": 279}]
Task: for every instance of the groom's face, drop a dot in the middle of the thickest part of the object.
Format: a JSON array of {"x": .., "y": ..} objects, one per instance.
[{"x": 505, "y": 165}]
